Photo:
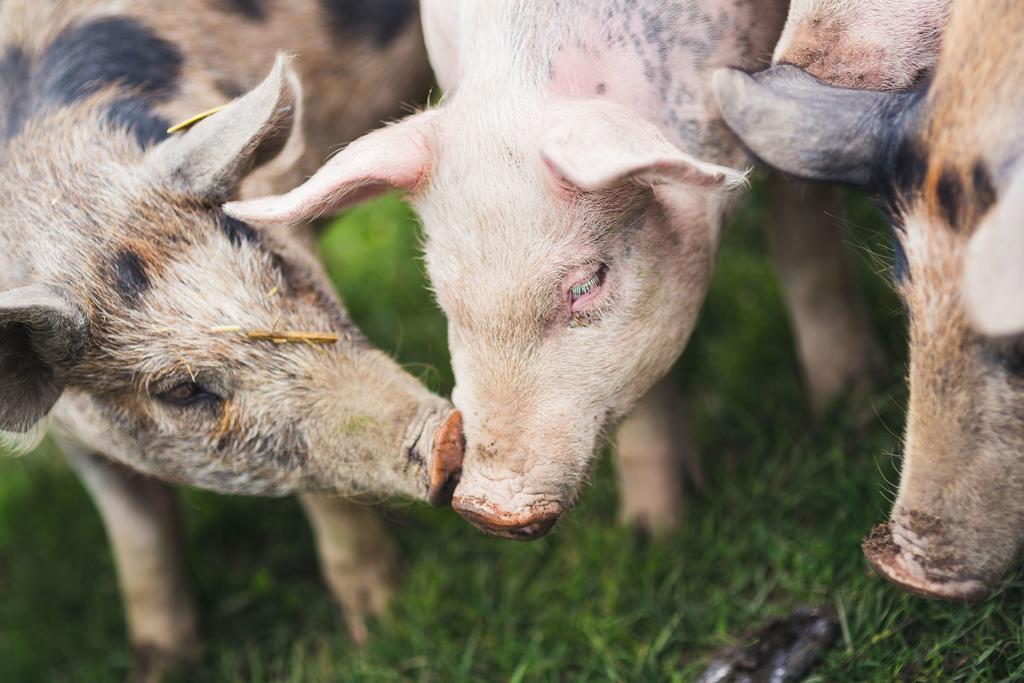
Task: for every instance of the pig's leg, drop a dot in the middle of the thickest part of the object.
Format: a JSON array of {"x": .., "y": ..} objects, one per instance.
[
  {"x": 653, "y": 451},
  {"x": 357, "y": 557},
  {"x": 142, "y": 520},
  {"x": 836, "y": 344}
]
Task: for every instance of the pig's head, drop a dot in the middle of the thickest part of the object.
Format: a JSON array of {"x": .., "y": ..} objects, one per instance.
[
  {"x": 185, "y": 344},
  {"x": 882, "y": 45},
  {"x": 570, "y": 245},
  {"x": 948, "y": 162}
]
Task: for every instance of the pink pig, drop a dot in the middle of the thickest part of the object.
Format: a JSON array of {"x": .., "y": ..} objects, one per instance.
[{"x": 573, "y": 188}]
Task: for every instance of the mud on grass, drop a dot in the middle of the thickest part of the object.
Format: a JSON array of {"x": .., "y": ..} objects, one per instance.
[{"x": 779, "y": 525}]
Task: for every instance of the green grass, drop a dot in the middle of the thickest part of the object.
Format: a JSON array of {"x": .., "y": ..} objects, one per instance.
[{"x": 779, "y": 524}]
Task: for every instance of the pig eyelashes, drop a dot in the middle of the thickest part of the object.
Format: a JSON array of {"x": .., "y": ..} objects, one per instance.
[{"x": 586, "y": 291}]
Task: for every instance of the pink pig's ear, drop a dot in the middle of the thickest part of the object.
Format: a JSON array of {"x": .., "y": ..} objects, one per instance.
[
  {"x": 994, "y": 267},
  {"x": 393, "y": 158},
  {"x": 600, "y": 145}
]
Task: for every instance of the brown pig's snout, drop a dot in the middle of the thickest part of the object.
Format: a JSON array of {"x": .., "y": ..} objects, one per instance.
[
  {"x": 908, "y": 570},
  {"x": 524, "y": 525},
  {"x": 446, "y": 460}
]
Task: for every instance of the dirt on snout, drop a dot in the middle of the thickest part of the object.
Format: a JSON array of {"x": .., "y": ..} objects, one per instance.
[
  {"x": 782, "y": 650},
  {"x": 879, "y": 543}
]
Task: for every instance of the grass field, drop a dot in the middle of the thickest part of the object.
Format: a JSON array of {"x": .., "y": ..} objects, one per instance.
[{"x": 779, "y": 524}]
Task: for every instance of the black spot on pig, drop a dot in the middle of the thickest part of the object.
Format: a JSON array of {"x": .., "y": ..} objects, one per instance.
[
  {"x": 111, "y": 51},
  {"x": 1013, "y": 361},
  {"x": 81, "y": 61},
  {"x": 14, "y": 75},
  {"x": 1005, "y": 356},
  {"x": 138, "y": 119},
  {"x": 949, "y": 193},
  {"x": 129, "y": 275},
  {"x": 254, "y": 10},
  {"x": 909, "y": 166},
  {"x": 984, "y": 190},
  {"x": 381, "y": 20},
  {"x": 238, "y": 232}
]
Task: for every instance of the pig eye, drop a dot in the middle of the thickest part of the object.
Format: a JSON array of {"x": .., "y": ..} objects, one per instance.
[
  {"x": 188, "y": 394},
  {"x": 587, "y": 290}
]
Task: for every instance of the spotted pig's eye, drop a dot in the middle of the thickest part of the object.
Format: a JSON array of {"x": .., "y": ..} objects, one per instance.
[{"x": 188, "y": 394}]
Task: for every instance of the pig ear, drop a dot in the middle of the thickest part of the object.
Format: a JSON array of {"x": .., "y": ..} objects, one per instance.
[
  {"x": 43, "y": 332},
  {"x": 600, "y": 145},
  {"x": 213, "y": 157},
  {"x": 807, "y": 129},
  {"x": 397, "y": 157},
  {"x": 994, "y": 267}
]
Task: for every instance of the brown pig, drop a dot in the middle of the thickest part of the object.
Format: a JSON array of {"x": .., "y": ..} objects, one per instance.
[
  {"x": 947, "y": 157},
  {"x": 164, "y": 342}
]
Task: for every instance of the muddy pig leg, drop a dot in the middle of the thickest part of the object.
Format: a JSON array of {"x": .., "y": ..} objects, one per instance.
[
  {"x": 654, "y": 454},
  {"x": 835, "y": 342},
  {"x": 143, "y": 524},
  {"x": 357, "y": 557}
]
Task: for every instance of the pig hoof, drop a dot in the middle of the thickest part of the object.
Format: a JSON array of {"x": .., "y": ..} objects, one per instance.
[
  {"x": 151, "y": 664},
  {"x": 651, "y": 521},
  {"x": 446, "y": 460},
  {"x": 363, "y": 592},
  {"x": 892, "y": 563},
  {"x": 535, "y": 522}
]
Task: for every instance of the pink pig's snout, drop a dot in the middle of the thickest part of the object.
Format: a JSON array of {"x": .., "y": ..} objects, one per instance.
[{"x": 525, "y": 524}]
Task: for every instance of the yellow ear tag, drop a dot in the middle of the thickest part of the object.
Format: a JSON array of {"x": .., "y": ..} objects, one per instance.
[{"x": 191, "y": 121}]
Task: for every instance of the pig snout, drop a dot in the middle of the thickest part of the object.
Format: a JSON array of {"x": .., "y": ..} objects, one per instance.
[
  {"x": 446, "y": 455},
  {"x": 523, "y": 524},
  {"x": 908, "y": 559},
  {"x": 510, "y": 494}
]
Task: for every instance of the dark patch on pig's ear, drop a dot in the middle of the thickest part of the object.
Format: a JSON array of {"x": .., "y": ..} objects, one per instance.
[
  {"x": 809, "y": 130},
  {"x": 598, "y": 145},
  {"x": 993, "y": 276},
  {"x": 211, "y": 158},
  {"x": 43, "y": 332}
]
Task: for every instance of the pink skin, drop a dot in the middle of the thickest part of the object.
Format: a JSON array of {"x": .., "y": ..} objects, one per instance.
[{"x": 577, "y": 137}]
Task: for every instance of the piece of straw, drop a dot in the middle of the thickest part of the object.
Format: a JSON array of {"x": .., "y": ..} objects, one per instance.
[
  {"x": 193, "y": 120},
  {"x": 281, "y": 337},
  {"x": 293, "y": 337}
]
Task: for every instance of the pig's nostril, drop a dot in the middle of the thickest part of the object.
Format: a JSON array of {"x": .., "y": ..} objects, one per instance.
[
  {"x": 534, "y": 522},
  {"x": 446, "y": 460},
  {"x": 889, "y": 560}
]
